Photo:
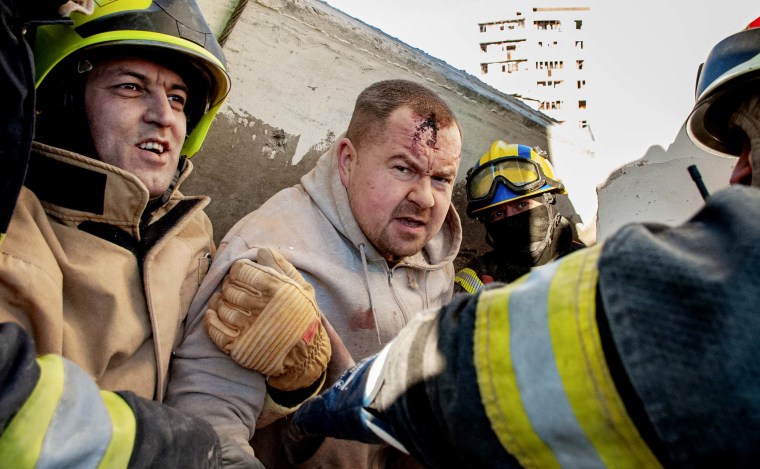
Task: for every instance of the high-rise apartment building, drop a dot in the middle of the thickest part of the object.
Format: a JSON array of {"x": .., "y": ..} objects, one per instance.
[{"x": 537, "y": 53}]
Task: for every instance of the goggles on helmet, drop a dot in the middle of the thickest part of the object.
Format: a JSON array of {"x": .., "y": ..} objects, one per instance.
[{"x": 520, "y": 175}]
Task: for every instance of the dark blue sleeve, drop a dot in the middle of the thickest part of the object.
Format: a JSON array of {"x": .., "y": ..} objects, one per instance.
[{"x": 681, "y": 308}]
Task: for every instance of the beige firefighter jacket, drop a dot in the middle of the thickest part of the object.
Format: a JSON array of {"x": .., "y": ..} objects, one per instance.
[{"x": 78, "y": 272}]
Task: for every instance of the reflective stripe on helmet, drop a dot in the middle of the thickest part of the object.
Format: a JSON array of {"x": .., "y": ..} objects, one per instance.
[{"x": 542, "y": 374}]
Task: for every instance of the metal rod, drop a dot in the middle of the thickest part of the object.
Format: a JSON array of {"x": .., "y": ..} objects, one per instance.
[
  {"x": 232, "y": 21},
  {"x": 697, "y": 178}
]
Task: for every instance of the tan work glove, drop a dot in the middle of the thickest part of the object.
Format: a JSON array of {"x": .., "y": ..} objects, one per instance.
[
  {"x": 266, "y": 318},
  {"x": 84, "y": 7},
  {"x": 747, "y": 117}
]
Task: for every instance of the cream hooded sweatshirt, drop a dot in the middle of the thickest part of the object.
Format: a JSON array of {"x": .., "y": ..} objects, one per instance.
[{"x": 366, "y": 301}]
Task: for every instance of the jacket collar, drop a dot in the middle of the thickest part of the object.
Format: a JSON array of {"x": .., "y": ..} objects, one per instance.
[{"x": 75, "y": 188}]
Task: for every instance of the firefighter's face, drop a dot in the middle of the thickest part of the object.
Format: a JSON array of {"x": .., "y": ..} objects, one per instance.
[{"x": 135, "y": 108}]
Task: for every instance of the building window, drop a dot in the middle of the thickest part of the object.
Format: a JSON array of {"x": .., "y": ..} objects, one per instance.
[
  {"x": 579, "y": 44},
  {"x": 484, "y": 47},
  {"x": 583, "y": 124},
  {"x": 556, "y": 64},
  {"x": 484, "y": 69},
  {"x": 550, "y": 83},
  {"x": 482, "y": 28},
  {"x": 578, "y": 24},
  {"x": 582, "y": 104},
  {"x": 550, "y": 105},
  {"x": 548, "y": 25},
  {"x": 579, "y": 64},
  {"x": 581, "y": 83}
]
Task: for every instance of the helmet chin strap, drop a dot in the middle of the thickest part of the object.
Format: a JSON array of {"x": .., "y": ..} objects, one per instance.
[
  {"x": 156, "y": 202},
  {"x": 172, "y": 185}
]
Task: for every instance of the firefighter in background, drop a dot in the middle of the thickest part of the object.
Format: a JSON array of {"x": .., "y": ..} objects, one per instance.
[
  {"x": 52, "y": 413},
  {"x": 641, "y": 351},
  {"x": 513, "y": 191}
]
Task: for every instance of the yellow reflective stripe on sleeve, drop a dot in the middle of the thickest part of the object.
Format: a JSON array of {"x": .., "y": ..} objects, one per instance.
[
  {"x": 468, "y": 279},
  {"x": 498, "y": 383},
  {"x": 542, "y": 374},
  {"x": 21, "y": 442},
  {"x": 583, "y": 368},
  {"x": 124, "y": 427}
]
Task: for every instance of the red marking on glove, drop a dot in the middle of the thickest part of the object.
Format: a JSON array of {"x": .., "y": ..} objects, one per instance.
[{"x": 311, "y": 331}]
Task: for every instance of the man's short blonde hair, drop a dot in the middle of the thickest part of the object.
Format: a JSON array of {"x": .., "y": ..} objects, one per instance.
[{"x": 378, "y": 101}]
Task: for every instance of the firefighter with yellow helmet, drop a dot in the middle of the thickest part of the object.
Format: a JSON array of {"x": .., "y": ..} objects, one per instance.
[
  {"x": 513, "y": 191},
  {"x": 102, "y": 253},
  {"x": 641, "y": 351}
]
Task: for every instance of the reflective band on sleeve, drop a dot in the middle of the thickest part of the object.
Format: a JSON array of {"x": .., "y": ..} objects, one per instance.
[
  {"x": 537, "y": 376},
  {"x": 542, "y": 374},
  {"x": 124, "y": 430},
  {"x": 497, "y": 383},
  {"x": 468, "y": 279},
  {"x": 66, "y": 423},
  {"x": 588, "y": 384},
  {"x": 21, "y": 442},
  {"x": 80, "y": 430}
]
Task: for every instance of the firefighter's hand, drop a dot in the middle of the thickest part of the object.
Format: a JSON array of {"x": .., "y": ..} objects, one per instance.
[
  {"x": 266, "y": 318},
  {"x": 343, "y": 411}
]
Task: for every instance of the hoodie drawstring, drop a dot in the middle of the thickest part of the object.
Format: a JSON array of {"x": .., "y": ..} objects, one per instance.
[{"x": 369, "y": 290}]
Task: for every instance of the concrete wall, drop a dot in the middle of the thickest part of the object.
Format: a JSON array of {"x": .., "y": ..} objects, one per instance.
[
  {"x": 658, "y": 187},
  {"x": 297, "y": 67}
]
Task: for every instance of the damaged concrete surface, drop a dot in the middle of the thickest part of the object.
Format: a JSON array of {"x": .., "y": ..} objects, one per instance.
[{"x": 658, "y": 188}]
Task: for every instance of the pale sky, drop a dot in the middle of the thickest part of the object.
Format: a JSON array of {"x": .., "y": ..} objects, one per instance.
[{"x": 643, "y": 56}]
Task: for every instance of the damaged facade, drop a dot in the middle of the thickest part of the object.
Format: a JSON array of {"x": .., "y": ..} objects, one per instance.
[{"x": 537, "y": 53}]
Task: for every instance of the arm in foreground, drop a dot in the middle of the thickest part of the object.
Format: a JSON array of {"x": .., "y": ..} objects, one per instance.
[
  {"x": 556, "y": 369},
  {"x": 53, "y": 415}
]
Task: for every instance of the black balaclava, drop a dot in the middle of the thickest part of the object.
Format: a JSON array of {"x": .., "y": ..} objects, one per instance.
[{"x": 529, "y": 238}]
